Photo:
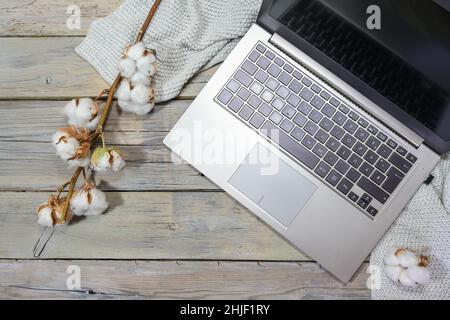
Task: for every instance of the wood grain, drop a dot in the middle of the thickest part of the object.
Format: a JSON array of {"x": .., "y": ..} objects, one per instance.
[
  {"x": 49, "y": 17},
  {"x": 145, "y": 225},
  {"x": 48, "y": 68},
  {"x": 176, "y": 280}
]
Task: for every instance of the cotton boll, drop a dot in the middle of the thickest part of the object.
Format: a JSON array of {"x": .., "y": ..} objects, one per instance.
[
  {"x": 149, "y": 70},
  {"x": 136, "y": 51},
  {"x": 391, "y": 258},
  {"x": 127, "y": 67},
  {"x": 145, "y": 61},
  {"x": 100, "y": 160},
  {"x": 98, "y": 203},
  {"x": 70, "y": 109},
  {"x": 405, "y": 280},
  {"x": 65, "y": 145},
  {"x": 126, "y": 105},
  {"x": 72, "y": 145},
  {"x": 118, "y": 163},
  {"x": 79, "y": 204},
  {"x": 407, "y": 258},
  {"x": 143, "y": 109},
  {"x": 83, "y": 113},
  {"x": 419, "y": 274},
  {"x": 393, "y": 272},
  {"x": 45, "y": 216},
  {"x": 124, "y": 90},
  {"x": 141, "y": 94},
  {"x": 140, "y": 78}
]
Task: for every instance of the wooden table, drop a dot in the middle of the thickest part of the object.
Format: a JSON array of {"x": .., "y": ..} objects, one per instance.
[{"x": 170, "y": 233}]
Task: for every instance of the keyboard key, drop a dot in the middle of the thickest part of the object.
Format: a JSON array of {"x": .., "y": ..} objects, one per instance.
[
  {"x": 332, "y": 144},
  {"x": 382, "y": 136},
  {"x": 339, "y": 118},
  {"x": 353, "y": 175},
  {"x": 361, "y": 134},
  {"x": 363, "y": 122},
  {"x": 235, "y": 104},
  {"x": 275, "y": 117},
  {"x": 293, "y": 100},
  {"x": 272, "y": 84},
  {"x": 342, "y": 167},
  {"x": 322, "y": 136},
  {"x": 306, "y": 94},
  {"x": 384, "y": 151},
  {"x": 377, "y": 177},
  {"x": 256, "y": 87},
  {"x": 309, "y": 142},
  {"x": 265, "y": 109},
  {"x": 331, "y": 158},
  {"x": 319, "y": 150},
  {"x": 352, "y": 115},
  {"x": 400, "y": 162},
  {"x": 233, "y": 85},
  {"x": 285, "y": 78},
  {"x": 244, "y": 94},
  {"x": 270, "y": 55},
  {"x": 333, "y": 178},
  {"x": 366, "y": 198},
  {"x": 344, "y": 109},
  {"x": 225, "y": 96},
  {"x": 348, "y": 140},
  {"x": 334, "y": 102},
  {"x": 263, "y": 62},
  {"x": 394, "y": 177},
  {"x": 274, "y": 71},
  {"x": 307, "y": 82},
  {"x": 300, "y": 120},
  {"x": 304, "y": 108},
  {"x": 411, "y": 158},
  {"x": 254, "y": 56},
  {"x": 289, "y": 112},
  {"x": 345, "y": 186},
  {"x": 317, "y": 102},
  {"x": 254, "y": 101},
  {"x": 243, "y": 78},
  {"x": 372, "y": 130},
  {"x": 297, "y": 75},
  {"x": 261, "y": 76},
  {"x": 355, "y": 161},
  {"x": 337, "y": 132},
  {"x": 326, "y": 124},
  {"x": 257, "y": 120},
  {"x": 286, "y": 125},
  {"x": 373, "y": 143},
  {"x": 283, "y": 92},
  {"x": 350, "y": 126},
  {"x": 325, "y": 95},
  {"x": 315, "y": 116},
  {"x": 267, "y": 96},
  {"x": 366, "y": 169},
  {"x": 249, "y": 67},
  {"x": 297, "y": 134},
  {"x": 373, "y": 190},
  {"x": 311, "y": 128},
  {"x": 353, "y": 196},
  {"x": 246, "y": 112},
  {"x": 402, "y": 150},
  {"x": 363, "y": 204},
  {"x": 316, "y": 88},
  {"x": 328, "y": 110},
  {"x": 371, "y": 157},
  {"x": 288, "y": 68},
  {"x": 322, "y": 169},
  {"x": 372, "y": 211},
  {"x": 296, "y": 86},
  {"x": 382, "y": 165},
  {"x": 359, "y": 148},
  {"x": 391, "y": 143},
  {"x": 279, "y": 62},
  {"x": 344, "y": 152},
  {"x": 260, "y": 48}
]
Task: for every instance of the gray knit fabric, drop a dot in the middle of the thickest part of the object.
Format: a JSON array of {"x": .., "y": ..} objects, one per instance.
[{"x": 187, "y": 35}]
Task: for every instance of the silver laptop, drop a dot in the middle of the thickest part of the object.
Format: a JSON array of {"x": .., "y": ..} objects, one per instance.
[{"x": 325, "y": 120}]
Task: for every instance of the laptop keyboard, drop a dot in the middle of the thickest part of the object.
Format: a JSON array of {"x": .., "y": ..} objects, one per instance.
[{"x": 341, "y": 147}]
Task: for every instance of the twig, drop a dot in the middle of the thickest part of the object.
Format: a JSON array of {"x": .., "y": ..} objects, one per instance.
[{"x": 109, "y": 102}]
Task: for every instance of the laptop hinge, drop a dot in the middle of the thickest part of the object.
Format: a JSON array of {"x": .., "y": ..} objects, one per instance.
[{"x": 347, "y": 91}]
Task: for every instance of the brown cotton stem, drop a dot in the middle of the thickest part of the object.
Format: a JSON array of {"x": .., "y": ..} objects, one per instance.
[{"x": 106, "y": 110}]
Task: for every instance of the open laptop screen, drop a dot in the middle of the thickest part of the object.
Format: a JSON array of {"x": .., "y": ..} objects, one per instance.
[{"x": 403, "y": 52}]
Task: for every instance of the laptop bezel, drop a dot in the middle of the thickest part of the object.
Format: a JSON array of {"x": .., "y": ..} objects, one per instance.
[{"x": 431, "y": 139}]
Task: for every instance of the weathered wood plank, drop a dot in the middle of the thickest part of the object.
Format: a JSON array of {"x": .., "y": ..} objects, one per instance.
[
  {"x": 29, "y": 162},
  {"x": 145, "y": 225},
  {"x": 176, "y": 280},
  {"x": 49, "y": 17},
  {"x": 48, "y": 68}
]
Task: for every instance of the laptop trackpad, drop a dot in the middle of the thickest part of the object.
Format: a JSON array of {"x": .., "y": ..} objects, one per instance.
[{"x": 272, "y": 184}]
